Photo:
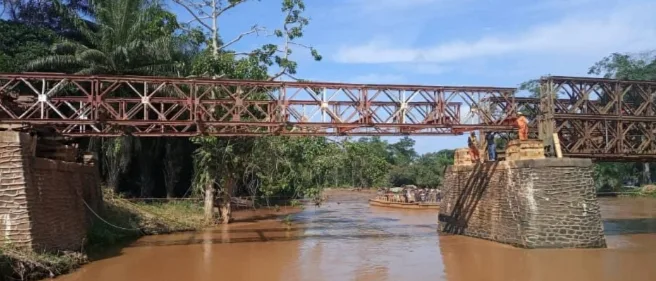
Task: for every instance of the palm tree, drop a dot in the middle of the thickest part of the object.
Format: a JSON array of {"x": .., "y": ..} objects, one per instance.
[
  {"x": 123, "y": 37},
  {"x": 118, "y": 40}
]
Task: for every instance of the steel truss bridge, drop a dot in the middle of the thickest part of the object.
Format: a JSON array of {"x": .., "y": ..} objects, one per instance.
[{"x": 595, "y": 118}]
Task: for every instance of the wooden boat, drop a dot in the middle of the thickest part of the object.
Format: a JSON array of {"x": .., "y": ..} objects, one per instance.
[{"x": 403, "y": 205}]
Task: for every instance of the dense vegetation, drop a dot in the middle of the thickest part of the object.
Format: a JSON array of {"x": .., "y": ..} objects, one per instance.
[{"x": 143, "y": 37}]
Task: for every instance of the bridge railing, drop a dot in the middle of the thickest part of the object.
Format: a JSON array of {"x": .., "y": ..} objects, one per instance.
[{"x": 154, "y": 106}]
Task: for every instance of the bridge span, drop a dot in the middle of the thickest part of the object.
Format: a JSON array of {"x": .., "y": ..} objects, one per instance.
[
  {"x": 602, "y": 119},
  {"x": 528, "y": 201}
]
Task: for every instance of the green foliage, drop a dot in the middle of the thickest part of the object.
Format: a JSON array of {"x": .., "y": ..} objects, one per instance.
[
  {"x": 130, "y": 37},
  {"x": 431, "y": 166},
  {"x": 124, "y": 220},
  {"x": 20, "y": 44},
  {"x": 44, "y": 14},
  {"x": 141, "y": 37},
  {"x": 368, "y": 167},
  {"x": 610, "y": 177},
  {"x": 227, "y": 65},
  {"x": 626, "y": 66},
  {"x": 292, "y": 30}
]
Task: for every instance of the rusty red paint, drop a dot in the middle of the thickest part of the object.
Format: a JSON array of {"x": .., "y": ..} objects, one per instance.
[{"x": 160, "y": 106}]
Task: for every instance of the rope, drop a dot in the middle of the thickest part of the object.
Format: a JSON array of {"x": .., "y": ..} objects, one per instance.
[{"x": 108, "y": 223}]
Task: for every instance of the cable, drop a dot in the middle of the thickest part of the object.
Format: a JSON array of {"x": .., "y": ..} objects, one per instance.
[{"x": 108, "y": 223}]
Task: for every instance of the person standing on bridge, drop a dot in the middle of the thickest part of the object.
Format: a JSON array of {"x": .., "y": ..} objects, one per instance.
[
  {"x": 522, "y": 123},
  {"x": 491, "y": 146},
  {"x": 472, "y": 143}
]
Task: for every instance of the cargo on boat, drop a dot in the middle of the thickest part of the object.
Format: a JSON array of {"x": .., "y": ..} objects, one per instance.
[{"x": 408, "y": 197}]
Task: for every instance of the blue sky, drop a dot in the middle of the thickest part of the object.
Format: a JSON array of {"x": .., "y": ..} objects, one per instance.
[{"x": 449, "y": 42}]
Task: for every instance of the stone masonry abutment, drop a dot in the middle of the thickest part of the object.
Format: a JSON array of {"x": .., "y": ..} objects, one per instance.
[
  {"x": 42, "y": 200},
  {"x": 531, "y": 203}
]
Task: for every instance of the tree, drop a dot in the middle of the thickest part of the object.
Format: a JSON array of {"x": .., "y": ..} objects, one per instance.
[
  {"x": 206, "y": 15},
  {"x": 402, "y": 152},
  {"x": 174, "y": 150},
  {"x": 126, "y": 42},
  {"x": 400, "y": 155},
  {"x": 237, "y": 65},
  {"x": 132, "y": 37},
  {"x": 116, "y": 158},
  {"x": 367, "y": 167},
  {"x": 44, "y": 14},
  {"x": 21, "y": 43},
  {"x": 430, "y": 167}
]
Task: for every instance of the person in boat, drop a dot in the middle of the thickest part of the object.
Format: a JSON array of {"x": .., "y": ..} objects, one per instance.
[{"x": 433, "y": 195}]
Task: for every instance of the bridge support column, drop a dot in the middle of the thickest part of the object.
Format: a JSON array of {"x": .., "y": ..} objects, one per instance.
[
  {"x": 42, "y": 201},
  {"x": 528, "y": 203}
]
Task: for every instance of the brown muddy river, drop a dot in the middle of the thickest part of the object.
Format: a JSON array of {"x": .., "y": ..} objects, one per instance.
[{"x": 346, "y": 239}]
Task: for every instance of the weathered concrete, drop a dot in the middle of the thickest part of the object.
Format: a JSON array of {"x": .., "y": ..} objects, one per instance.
[
  {"x": 41, "y": 200},
  {"x": 537, "y": 203}
]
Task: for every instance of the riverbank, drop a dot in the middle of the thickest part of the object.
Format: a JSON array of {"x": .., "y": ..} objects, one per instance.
[{"x": 120, "y": 221}]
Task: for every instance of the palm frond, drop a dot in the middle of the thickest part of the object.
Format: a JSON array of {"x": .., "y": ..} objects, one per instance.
[
  {"x": 78, "y": 23},
  {"x": 64, "y": 46},
  {"x": 93, "y": 70},
  {"x": 55, "y": 62},
  {"x": 93, "y": 56},
  {"x": 154, "y": 69}
]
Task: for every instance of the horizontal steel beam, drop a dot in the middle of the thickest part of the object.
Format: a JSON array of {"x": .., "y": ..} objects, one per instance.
[{"x": 78, "y": 105}]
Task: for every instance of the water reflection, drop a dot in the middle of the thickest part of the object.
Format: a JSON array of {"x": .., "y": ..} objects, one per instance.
[
  {"x": 352, "y": 241},
  {"x": 496, "y": 262}
]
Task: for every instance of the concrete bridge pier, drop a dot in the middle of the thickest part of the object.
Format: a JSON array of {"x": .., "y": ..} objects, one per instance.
[{"x": 527, "y": 201}]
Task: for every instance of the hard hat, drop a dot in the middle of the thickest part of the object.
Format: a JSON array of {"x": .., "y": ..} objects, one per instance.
[{"x": 520, "y": 113}]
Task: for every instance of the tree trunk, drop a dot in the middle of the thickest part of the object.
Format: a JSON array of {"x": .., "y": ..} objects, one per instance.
[
  {"x": 646, "y": 174},
  {"x": 215, "y": 31},
  {"x": 226, "y": 212},
  {"x": 146, "y": 176},
  {"x": 172, "y": 165},
  {"x": 226, "y": 195},
  {"x": 209, "y": 202}
]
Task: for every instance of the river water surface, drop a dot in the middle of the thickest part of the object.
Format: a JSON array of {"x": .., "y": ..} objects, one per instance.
[{"x": 346, "y": 239}]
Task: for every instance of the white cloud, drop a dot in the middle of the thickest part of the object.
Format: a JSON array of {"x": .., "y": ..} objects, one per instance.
[{"x": 631, "y": 28}]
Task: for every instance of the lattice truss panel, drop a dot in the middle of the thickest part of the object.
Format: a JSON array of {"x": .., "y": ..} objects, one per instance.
[
  {"x": 154, "y": 106},
  {"x": 604, "y": 118}
]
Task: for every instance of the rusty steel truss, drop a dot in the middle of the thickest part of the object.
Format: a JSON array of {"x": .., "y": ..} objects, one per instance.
[
  {"x": 157, "y": 106},
  {"x": 604, "y": 119}
]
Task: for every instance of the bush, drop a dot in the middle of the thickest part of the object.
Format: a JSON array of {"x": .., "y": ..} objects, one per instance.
[{"x": 28, "y": 265}]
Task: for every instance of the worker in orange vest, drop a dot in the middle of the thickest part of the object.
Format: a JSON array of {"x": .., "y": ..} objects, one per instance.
[
  {"x": 472, "y": 143},
  {"x": 522, "y": 123}
]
